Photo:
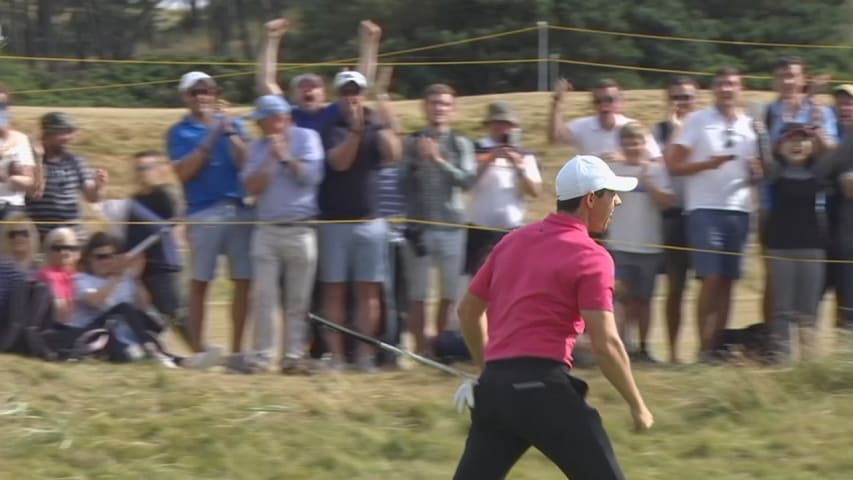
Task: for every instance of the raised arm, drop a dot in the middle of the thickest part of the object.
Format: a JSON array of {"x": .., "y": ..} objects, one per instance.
[
  {"x": 266, "y": 74},
  {"x": 557, "y": 131},
  {"x": 369, "y": 34}
]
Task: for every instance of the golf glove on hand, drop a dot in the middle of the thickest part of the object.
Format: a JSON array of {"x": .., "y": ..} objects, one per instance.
[{"x": 465, "y": 395}]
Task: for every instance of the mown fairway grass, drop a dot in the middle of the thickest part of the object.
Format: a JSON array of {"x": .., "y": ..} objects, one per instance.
[{"x": 92, "y": 421}]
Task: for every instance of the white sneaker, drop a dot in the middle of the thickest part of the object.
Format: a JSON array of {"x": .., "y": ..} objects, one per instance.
[{"x": 204, "y": 360}]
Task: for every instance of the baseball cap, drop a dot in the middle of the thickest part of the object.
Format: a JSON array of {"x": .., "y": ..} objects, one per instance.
[
  {"x": 191, "y": 78},
  {"x": 500, "y": 112},
  {"x": 845, "y": 88},
  {"x": 793, "y": 128},
  {"x": 584, "y": 174},
  {"x": 57, "y": 122},
  {"x": 348, "y": 76},
  {"x": 269, "y": 105}
]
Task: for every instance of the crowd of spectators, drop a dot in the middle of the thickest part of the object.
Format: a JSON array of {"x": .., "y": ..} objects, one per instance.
[{"x": 309, "y": 214}]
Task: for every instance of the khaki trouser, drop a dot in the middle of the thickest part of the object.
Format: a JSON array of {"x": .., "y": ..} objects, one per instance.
[{"x": 293, "y": 249}]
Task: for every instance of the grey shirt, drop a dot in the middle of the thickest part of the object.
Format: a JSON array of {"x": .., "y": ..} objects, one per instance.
[{"x": 434, "y": 191}]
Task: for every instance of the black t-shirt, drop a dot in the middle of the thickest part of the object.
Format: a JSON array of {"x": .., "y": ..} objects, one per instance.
[
  {"x": 159, "y": 205},
  {"x": 793, "y": 221},
  {"x": 351, "y": 194}
]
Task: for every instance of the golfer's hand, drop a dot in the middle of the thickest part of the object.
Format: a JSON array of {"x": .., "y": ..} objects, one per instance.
[
  {"x": 464, "y": 395},
  {"x": 643, "y": 419}
]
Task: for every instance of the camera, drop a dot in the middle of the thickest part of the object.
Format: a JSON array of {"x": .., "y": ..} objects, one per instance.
[
  {"x": 511, "y": 138},
  {"x": 414, "y": 234}
]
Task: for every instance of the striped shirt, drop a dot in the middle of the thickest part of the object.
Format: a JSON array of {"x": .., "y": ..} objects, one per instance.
[
  {"x": 64, "y": 179},
  {"x": 390, "y": 201}
]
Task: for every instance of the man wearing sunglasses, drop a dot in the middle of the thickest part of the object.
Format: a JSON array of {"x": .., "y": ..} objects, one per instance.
[
  {"x": 16, "y": 160},
  {"x": 597, "y": 134},
  {"x": 357, "y": 144},
  {"x": 208, "y": 150},
  {"x": 681, "y": 100},
  {"x": 717, "y": 153}
]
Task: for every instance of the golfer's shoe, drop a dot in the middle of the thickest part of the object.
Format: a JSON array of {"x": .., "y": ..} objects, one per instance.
[{"x": 464, "y": 395}]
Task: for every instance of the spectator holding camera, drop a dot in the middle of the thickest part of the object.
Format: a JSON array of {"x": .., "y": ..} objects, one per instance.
[
  {"x": 506, "y": 177},
  {"x": 438, "y": 166},
  {"x": 717, "y": 152},
  {"x": 208, "y": 149}
]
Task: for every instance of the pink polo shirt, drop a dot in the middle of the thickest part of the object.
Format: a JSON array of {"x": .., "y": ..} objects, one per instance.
[
  {"x": 61, "y": 282},
  {"x": 536, "y": 281}
]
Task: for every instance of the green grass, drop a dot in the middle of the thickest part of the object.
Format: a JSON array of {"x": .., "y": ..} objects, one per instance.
[{"x": 91, "y": 421}]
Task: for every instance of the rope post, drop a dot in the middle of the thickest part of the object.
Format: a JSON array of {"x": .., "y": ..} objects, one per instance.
[
  {"x": 543, "y": 55},
  {"x": 554, "y": 64}
]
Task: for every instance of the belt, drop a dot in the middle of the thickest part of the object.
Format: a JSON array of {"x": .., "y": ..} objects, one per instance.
[{"x": 675, "y": 212}]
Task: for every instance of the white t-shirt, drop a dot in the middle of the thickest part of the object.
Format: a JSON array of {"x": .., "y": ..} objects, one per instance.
[
  {"x": 705, "y": 133},
  {"x": 636, "y": 224},
  {"x": 496, "y": 199},
  {"x": 14, "y": 149},
  {"x": 592, "y": 139}
]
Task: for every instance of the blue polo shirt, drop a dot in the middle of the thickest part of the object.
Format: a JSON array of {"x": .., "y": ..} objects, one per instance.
[
  {"x": 318, "y": 120},
  {"x": 219, "y": 178}
]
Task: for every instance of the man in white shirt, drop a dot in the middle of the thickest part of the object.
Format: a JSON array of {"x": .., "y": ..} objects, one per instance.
[
  {"x": 16, "y": 160},
  {"x": 597, "y": 134},
  {"x": 506, "y": 176},
  {"x": 717, "y": 152}
]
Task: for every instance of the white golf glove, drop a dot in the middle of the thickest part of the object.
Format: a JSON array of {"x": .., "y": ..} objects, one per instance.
[{"x": 464, "y": 395}]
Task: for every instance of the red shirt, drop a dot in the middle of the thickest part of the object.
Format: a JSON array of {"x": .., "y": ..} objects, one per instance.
[
  {"x": 536, "y": 281},
  {"x": 61, "y": 282}
]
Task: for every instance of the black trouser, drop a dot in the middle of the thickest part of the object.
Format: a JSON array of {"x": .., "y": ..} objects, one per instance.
[{"x": 526, "y": 402}]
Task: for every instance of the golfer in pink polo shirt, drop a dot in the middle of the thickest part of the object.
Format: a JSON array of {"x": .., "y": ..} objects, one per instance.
[{"x": 542, "y": 286}]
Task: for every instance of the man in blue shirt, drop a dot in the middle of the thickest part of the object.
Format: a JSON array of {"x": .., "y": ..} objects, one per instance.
[
  {"x": 283, "y": 170},
  {"x": 208, "y": 149}
]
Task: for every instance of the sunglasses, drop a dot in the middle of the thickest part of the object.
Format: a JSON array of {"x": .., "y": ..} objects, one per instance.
[
  {"x": 681, "y": 97},
  {"x": 64, "y": 248},
  {"x": 202, "y": 91},
  {"x": 604, "y": 99},
  {"x": 104, "y": 256},
  {"x": 19, "y": 233},
  {"x": 145, "y": 168},
  {"x": 349, "y": 90}
]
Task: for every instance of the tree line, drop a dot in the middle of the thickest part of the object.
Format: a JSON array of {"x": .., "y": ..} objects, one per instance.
[{"x": 325, "y": 30}]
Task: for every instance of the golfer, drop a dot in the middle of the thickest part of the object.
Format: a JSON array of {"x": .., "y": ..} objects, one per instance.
[{"x": 543, "y": 285}]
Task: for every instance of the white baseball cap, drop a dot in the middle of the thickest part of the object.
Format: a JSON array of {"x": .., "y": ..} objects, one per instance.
[
  {"x": 347, "y": 76},
  {"x": 584, "y": 174},
  {"x": 191, "y": 78}
]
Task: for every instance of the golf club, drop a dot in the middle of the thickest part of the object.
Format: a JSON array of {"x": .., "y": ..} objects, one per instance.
[{"x": 392, "y": 349}]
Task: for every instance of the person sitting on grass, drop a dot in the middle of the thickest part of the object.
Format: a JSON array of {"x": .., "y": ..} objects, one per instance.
[
  {"x": 62, "y": 254},
  {"x": 21, "y": 241},
  {"x": 636, "y": 233},
  {"x": 108, "y": 294}
]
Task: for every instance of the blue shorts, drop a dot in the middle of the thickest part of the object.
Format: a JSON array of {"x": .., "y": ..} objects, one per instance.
[
  {"x": 211, "y": 239},
  {"x": 720, "y": 230},
  {"x": 354, "y": 252}
]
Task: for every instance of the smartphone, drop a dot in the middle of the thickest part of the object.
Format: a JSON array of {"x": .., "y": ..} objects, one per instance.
[{"x": 514, "y": 138}]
